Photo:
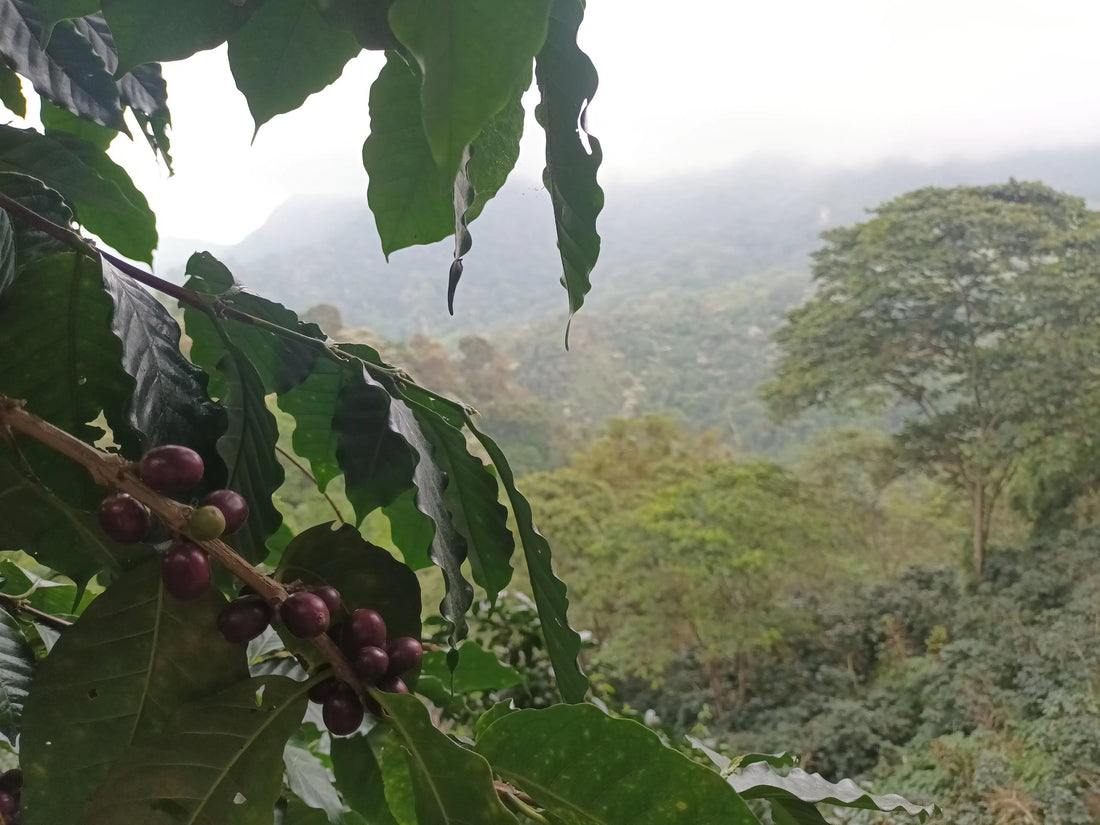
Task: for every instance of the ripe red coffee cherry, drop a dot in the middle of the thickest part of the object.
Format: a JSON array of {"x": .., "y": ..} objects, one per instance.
[
  {"x": 11, "y": 781},
  {"x": 243, "y": 619},
  {"x": 320, "y": 691},
  {"x": 365, "y": 628},
  {"x": 405, "y": 654},
  {"x": 342, "y": 711},
  {"x": 232, "y": 505},
  {"x": 171, "y": 468},
  {"x": 305, "y": 614},
  {"x": 124, "y": 518},
  {"x": 371, "y": 664},
  {"x": 330, "y": 595},
  {"x": 185, "y": 570},
  {"x": 393, "y": 685}
]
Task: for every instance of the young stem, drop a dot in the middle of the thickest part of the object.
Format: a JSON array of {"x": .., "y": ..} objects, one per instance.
[
  {"x": 113, "y": 471},
  {"x": 309, "y": 475},
  {"x": 15, "y": 606}
]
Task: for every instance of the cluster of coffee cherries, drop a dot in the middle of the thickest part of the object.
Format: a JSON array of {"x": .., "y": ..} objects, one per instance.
[
  {"x": 376, "y": 660},
  {"x": 11, "y": 785},
  {"x": 306, "y": 613},
  {"x": 173, "y": 470}
]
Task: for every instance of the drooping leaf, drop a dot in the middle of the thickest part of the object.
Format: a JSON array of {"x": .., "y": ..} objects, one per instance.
[
  {"x": 170, "y": 404},
  {"x": 469, "y": 57},
  {"x": 359, "y": 777},
  {"x": 73, "y": 372},
  {"x": 311, "y": 781},
  {"x": 410, "y": 531},
  {"x": 367, "y": 20},
  {"x": 365, "y": 575},
  {"x": 53, "y": 11},
  {"x": 567, "y": 81},
  {"x": 453, "y": 785},
  {"x": 408, "y": 195},
  {"x": 471, "y": 497},
  {"x": 477, "y": 670},
  {"x": 282, "y": 362},
  {"x": 562, "y": 642},
  {"x": 31, "y": 243},
  {"x": 99, "y": 190},
  {"x": 219, "y": 760},
  {"x": 16, "y": 675},
  {"x": 494, "y": 154},
  {"x": 587, "y": 767},
  {"x": 288, "y": 51},
  {"x": 760, "y": 780},
  {"x": 115, "y": 678},
  {"x": 67, "y": 71},
  {"x": 149, "y": 31},
  {"x": 11, "y": 91},
  {"x": 54, "y": 533},
  {"x": 376, "y": 459}
]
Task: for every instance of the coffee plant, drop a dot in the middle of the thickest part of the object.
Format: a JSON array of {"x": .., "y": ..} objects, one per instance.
[{"x": 159, "y": 665}]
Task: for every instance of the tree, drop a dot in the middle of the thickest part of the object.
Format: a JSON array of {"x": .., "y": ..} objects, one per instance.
[
  {"x": 141, "y": 703},
  {"x": 972, "y": 309}
]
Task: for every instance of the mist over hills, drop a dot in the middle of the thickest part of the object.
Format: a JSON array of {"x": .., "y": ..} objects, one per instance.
[{"x": 694, "y": 275}]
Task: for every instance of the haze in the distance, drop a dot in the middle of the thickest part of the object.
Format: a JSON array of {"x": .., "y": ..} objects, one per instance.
[{"x": 685, "y": 87}]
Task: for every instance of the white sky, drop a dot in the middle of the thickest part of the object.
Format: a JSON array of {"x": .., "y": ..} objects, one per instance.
[{"x": 686, "y": 86}]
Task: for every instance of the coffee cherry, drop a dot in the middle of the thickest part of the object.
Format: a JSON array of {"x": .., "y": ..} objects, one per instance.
[
  {"x": 9, "y": 804},
  {"x": 320, "y": 691},
  {"x": 405, "y": 654},
  {"x": 342, "y": 711},
  {"x": 330, "y": 595},
  {"x": 243, "y": 619},
  {"x": 365, "y": 628},
  {"x": 305, "y": 614},
  {"x": 171, "y": 468},
  {"x": 233, "y": 507},
  {"x": 206, "y": 523},
  {"x": 371, "y": 664},
  {"x": 393, "y": 685},
  {"x": 124, "y": 518},
  {"x": 185, "y": 570},
  {"x": 11, "y": 781}
]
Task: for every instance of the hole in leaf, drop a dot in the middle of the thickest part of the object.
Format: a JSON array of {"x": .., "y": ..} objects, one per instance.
[
  {"x": 93, "y": 693},
  {"x": 240, "y": 798}
]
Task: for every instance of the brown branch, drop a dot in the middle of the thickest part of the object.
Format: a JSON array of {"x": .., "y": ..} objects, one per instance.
[
  {"x": 13, "y": 605},
  {"x": 113, "y": 471}
]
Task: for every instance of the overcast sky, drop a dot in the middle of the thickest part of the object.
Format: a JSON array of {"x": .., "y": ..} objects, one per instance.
[{"x": 685, "y": 86}]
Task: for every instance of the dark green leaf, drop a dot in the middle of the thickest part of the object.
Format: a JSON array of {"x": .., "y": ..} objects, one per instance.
[
  {"x": 170, "y": 404},
  {"x": 495, "y": 152},
  {"x": 368, "y": 21},
  {"x": 16, "y": 675},
  {"x": 281, "y": 362},
  {"x": 11, "y": 91},
  {"x": 52, "y": 11},
  {"x": 67, "y": 72},
  {"x": 150, "y": 31},
  {"x": 567, "y": 81},
  {"x": 115, "y": 678},
  {"x": 562, "y": 642},
  {"x": 220, "y": 760},
  {"x": 453, "y": 785},
  {"x": 478, "y": 670},
  {"x": 56, "y": 535},
  {"x": 410, "y": 531},
  {"x": 397, "y": 780},
  {"x": 101, "y": 193},
  {"x": 469, "y": 58},
  {"x": 31, "y": 243},
  {"x": 365, "y": 575},
  {"x": 761, "y": 781},
  {"x": 288, "y": 51},
  {"x": 58, "y": 121},
  {"x": 581, "y": 764},
  {"x": 377, "y": 462},
  {"x": 313, "y": 406},
  {"x": 359, "y": 777},
  {"x": 471, "y": 496},
  {"x": 57, "y": 350},
  {"x": 311, "y": 781}
]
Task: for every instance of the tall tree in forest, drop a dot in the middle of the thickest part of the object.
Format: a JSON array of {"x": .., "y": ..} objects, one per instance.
[{"x": 973, "y": 309}]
